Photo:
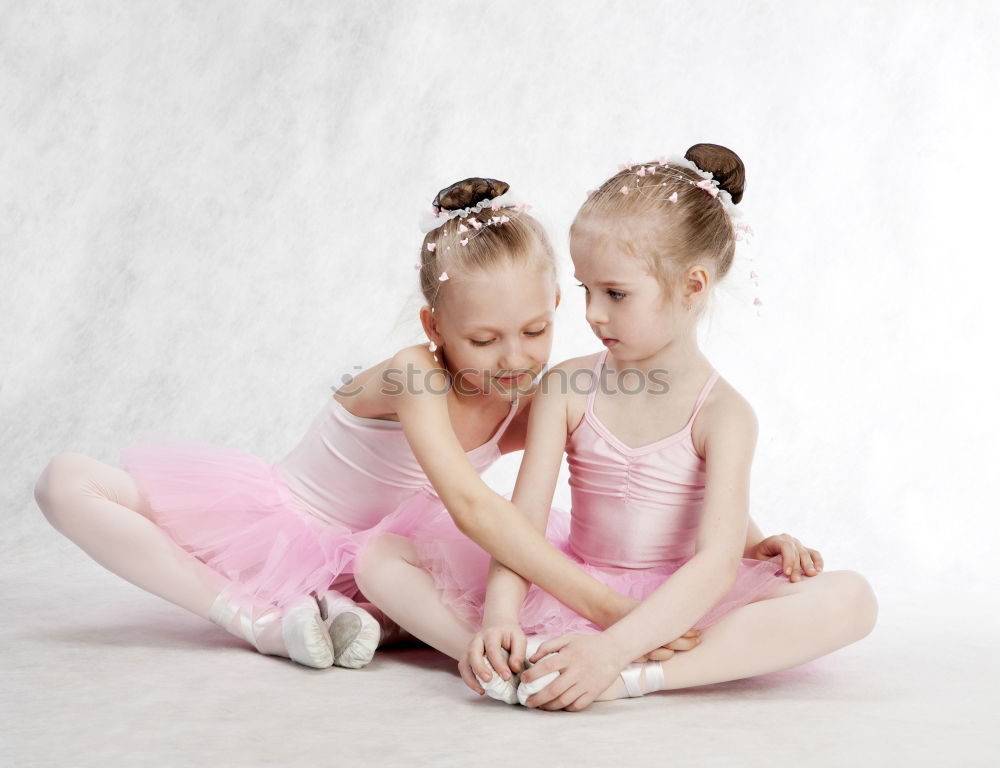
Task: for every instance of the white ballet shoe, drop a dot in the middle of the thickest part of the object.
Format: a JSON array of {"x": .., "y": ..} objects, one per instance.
[
  {"x": 297, "y": 633},
  {"x": 353, "y": 632},
  {"x": 642, "y": 678},
  {"x": 305, "y": 635},
  {"x": 524, "y": 690},
  {"x": 498, "y": 688}
]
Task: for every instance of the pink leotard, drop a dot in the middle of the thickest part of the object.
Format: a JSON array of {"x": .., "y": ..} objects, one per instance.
[{"x": 634, "y": 507}]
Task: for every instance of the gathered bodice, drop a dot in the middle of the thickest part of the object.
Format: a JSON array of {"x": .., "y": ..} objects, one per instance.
[{"x": 634, "y": 507}]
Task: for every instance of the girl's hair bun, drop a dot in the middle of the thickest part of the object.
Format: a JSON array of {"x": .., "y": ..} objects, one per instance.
[
  {"x": 724, "y": 164},
  {"x": 469, "y": 192}
]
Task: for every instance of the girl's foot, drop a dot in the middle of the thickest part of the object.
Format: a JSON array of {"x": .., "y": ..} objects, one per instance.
[
  {"x": 297, "y": 633},
  {"x": 498, "y": 688},
  {"x": 354, "y": 632}
]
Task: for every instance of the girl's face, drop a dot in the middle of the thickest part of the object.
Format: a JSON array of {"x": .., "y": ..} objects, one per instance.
[
  {"x": 495, "y": 328},
  {"x": 626, "y": 305}
]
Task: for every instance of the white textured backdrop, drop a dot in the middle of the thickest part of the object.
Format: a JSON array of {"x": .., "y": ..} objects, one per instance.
[{"x": 208, "y": 215}]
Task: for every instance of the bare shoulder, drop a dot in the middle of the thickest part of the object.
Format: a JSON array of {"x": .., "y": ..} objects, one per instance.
[
  {"x": 568, "y": 377},
  {"x": 417, "y": 356},
  {"x": 580, "y": 363},
  {"x": 725, "y": 416},
  {"x": 551, "y": 392},
  {"x": 571, "y": 381},
  {"x": 416, "y": 369},
  {"x": 366, "y": 383},
  {"x": 377, "y": 391}
]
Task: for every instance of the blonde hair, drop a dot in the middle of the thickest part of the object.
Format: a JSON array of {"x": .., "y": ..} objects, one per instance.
[
  {"x": 520, "y": 239},
  {"x": 682, "y": 224}
]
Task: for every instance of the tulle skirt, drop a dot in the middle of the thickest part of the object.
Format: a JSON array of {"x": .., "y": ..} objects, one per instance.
[
  {"x": 234, "y": 512},
  {"x": 459, "y": 568}
]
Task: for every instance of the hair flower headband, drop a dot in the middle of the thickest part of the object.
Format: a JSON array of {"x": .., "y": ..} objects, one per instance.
[
  {"x": 438, "y": 216},
  {"x": 708, "y": 183},
  {"x": 464, "y": 200}
]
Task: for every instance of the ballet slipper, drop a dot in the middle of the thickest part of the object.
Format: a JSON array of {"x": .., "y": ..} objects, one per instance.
[
  {"x": 297, "y": 633},
  {"x": 642, "y": 678},
  {"x": 390, "y": 632},
  {"x": 498, "y": 688},
  {"x": 525, "y": 689},
  {"x": 354, "y": 632},
  {"x": 306, "y": 636}
]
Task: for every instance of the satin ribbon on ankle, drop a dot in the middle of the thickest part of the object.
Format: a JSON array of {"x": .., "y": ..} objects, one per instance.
[
  {"x": 632, "y": 678},
  {"x": 223, "y": 611}
]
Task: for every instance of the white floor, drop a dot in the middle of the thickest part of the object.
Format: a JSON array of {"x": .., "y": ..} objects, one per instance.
[{"x": 97, "y": 673}]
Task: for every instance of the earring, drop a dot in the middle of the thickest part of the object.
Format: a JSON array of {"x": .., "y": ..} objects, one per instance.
[{"x": 433, "y": 348}]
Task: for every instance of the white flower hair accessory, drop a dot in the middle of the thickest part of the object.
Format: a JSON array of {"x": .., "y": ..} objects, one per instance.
[
  {"x": 661, "y": 169},
  {"x": 465, "y": 200},
  {"x": 434, "y": 218}
]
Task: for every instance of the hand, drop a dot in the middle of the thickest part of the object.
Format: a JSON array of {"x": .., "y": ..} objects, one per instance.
[
  {"x": 491, "y": 642},
  {"x": 685, "y": 642},
  {"x": 796, "y": 558},
  {"x": 587, "y": 666}
]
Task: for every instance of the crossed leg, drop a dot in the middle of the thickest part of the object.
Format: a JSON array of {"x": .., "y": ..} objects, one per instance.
[
  {"x": 100, "y": 509},
  {"x": 390, "y": 574},
  {"x": 790, "y": 624}
]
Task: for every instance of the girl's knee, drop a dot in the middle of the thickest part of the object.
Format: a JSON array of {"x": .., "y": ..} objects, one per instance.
[
  {"x": 376, "y": 553},
  {"x": 69, "y": 480},
  {"x": 58, "y": 483},
  {"x": 856, "y": 599}
]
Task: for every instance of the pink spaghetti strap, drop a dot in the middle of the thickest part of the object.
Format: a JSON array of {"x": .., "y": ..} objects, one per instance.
[
  {"x": 702, "y": 396},
  {"x": 596, "y": 370},
  {"x": 507, "y": 419}
]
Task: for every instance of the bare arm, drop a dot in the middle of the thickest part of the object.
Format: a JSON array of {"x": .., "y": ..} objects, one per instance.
[
  {"x": 533, "y": 492},
  {"x": 487, "y": 518}
]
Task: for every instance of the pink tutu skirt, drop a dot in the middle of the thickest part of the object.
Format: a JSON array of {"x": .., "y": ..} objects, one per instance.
[
  {"x": 234, "y": 512},
  {"x": 460, "y": 568}
]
